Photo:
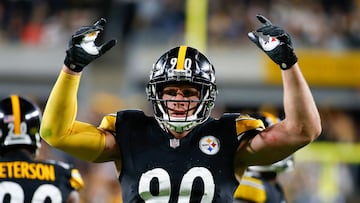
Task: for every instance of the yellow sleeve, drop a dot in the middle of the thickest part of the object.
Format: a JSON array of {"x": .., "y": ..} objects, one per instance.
[
  {"x": 59, "y": 127},
  {"x": 251, "y": 189}
]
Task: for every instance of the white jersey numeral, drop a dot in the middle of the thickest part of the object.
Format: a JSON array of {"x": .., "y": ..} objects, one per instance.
[
  {"x": 164, "y": 182},
  {"x": 17, "y": 194}
]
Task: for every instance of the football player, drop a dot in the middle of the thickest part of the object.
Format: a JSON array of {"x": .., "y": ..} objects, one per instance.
[
  {"x": 260, "y": 183},
  {"x": 23, "y": 178},
  {"x": 180, "y": 154}
]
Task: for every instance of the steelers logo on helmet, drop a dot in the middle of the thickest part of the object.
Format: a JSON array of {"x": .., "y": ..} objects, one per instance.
[
  {"x": 182, "y": 65},
  {"x": 19, "y": 123}
]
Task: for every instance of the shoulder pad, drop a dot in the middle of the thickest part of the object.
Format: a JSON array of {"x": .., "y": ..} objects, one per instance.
[
  {"x": 60, "y": 163},
  {"x": 249, "y": 126},
  {"x": 108, "y": 122},
  {"x": 251, "y": 189},
  {"x": 131, "y": 115},
  {"x": 76, "y": 180}
]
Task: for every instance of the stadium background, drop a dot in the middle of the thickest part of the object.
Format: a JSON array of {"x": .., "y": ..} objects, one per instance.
[{"x": 326, "y": 36}]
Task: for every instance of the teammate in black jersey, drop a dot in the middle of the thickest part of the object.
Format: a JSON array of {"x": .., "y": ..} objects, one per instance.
[
  {"x": 22, "y": 177},
  {"x": 180, "y": 154},
  {"x": 260, "y": 184}
]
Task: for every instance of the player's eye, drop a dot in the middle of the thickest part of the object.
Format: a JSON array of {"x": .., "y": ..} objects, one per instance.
[
  {"x": 189, "y": 92},
  {"x": 170, "y": 92},
  {"x": 186, "y": 92}
]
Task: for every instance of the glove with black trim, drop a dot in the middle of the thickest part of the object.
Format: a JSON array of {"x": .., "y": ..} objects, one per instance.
[
  {"x": 275, "y": 42},
  {"x": 82, "y": 49}
]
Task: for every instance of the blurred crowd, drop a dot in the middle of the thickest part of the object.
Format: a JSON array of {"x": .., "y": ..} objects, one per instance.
[
  {"x": 323, "y": 24},
  {"x": 316, "y": 24}
]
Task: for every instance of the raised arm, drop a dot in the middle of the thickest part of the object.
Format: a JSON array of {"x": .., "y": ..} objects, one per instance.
[
  {"x": 59, "y": 127},
  {"x": 301, "y": 124}
]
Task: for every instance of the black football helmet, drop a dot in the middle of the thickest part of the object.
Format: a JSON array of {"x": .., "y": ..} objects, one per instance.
[
  {"x": 270, "y": 119},
  {"x": 184, "y": 65},
  {"x": 19, "y": 124}
]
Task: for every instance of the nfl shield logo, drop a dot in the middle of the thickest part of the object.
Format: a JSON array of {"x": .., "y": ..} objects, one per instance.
[{"x": 174, "y": 143}]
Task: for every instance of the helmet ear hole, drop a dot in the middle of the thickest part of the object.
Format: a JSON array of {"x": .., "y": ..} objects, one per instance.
[{"x": 183, "y": 65}]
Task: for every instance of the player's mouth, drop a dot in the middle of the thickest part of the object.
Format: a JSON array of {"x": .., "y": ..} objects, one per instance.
[
  {"x": 180, "y": 112},
  {"x": 177, "y": 113}
]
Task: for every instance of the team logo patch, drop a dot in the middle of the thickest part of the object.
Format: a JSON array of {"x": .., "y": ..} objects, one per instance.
[{"x": 209, "y": 145}]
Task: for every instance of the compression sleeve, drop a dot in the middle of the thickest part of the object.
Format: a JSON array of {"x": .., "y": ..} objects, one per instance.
[{"x": 59, "y": 127}]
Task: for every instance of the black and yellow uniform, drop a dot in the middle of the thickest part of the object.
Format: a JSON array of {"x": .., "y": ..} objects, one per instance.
[
  {"x": 250, "y": 190},
  {"x": 23, "y": 179},
  {"x": 151, "y": 157},
  {"x": 154, "y": 166},
  {"x": 260, "y": 189}
]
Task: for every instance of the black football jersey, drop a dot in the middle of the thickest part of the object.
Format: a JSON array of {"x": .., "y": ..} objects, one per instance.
[
  {"x": 274, "y": 192},
  {"x": 156, "y": 167},
  {"x": 259, "y": 189},
  {"x": 26, "y": 180}
]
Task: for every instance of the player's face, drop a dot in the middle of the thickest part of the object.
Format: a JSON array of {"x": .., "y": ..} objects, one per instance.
[{"x": 183, "y": 99}]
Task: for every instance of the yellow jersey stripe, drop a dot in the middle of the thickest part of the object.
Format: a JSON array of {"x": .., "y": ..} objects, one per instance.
[
  {"x": 15, "y": 101},
  {"x": 181, "y": 58},
  {"x": 251, "y": 189}
]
